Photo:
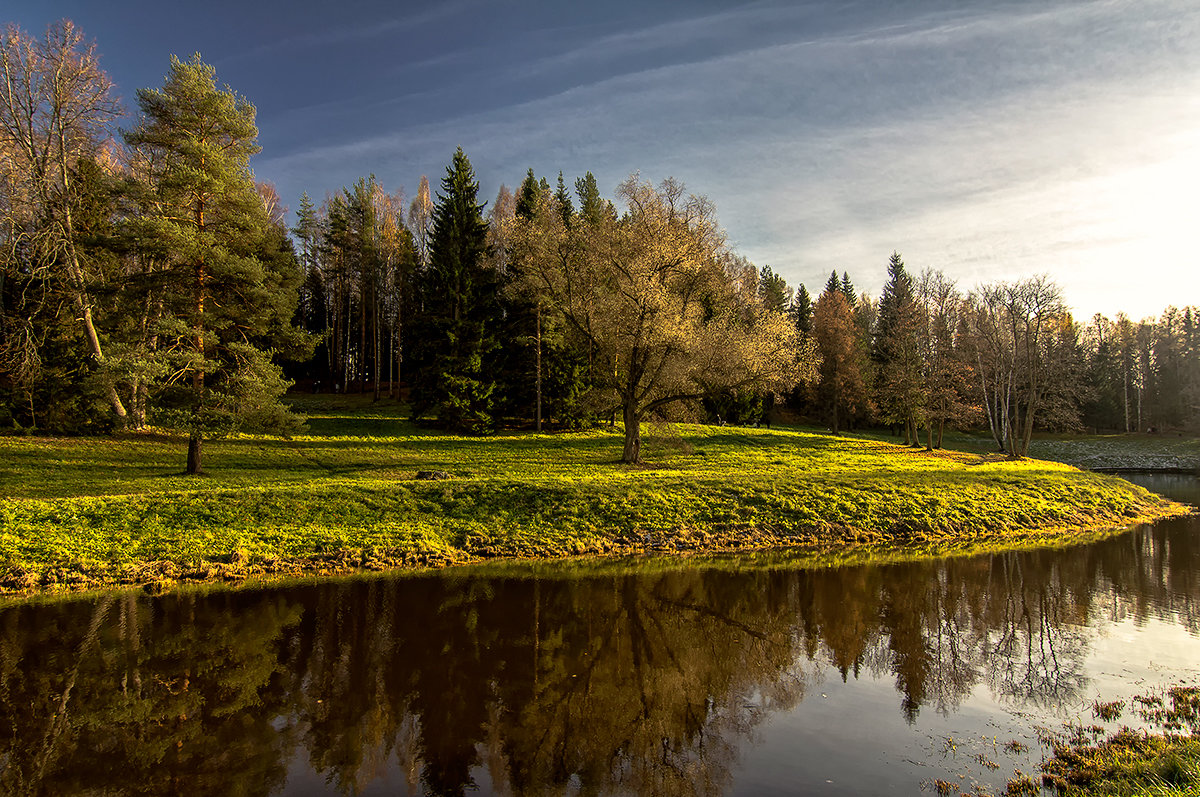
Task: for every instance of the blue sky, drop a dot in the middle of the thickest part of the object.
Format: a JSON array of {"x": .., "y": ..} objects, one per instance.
[{"x": 992, "y": 140}]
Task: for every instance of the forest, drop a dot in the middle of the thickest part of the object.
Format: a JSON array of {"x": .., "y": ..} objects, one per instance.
[{"x": 147, "y": 280}]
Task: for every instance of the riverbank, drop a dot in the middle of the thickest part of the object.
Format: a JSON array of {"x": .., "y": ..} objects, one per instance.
[{"x": 90, "y": 512}]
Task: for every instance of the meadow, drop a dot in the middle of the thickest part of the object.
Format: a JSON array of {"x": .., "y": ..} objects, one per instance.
[{"x": 344, "y": 495}]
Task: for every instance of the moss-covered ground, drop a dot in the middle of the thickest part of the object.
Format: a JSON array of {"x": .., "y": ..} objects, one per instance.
[{"x": 343, "y": 495}]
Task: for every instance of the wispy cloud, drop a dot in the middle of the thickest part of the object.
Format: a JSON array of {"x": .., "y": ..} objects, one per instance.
[
  {"x": 991, "y": 141},
  {"x": 390, "y": 25}
]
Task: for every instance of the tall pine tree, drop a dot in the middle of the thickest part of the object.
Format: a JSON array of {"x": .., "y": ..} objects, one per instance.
[
  {"x": 232, "y": 276},
  {"x": 453, "y": 339},
  {"x": 900, "y": 388}
]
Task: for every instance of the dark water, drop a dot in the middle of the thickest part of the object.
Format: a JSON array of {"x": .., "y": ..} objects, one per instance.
[{"x": 699, "y": 680}]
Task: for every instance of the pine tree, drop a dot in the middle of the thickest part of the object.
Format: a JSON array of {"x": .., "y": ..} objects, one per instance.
[
  {"x": 232, "y": 275},
  {"x": 899, "y": 387},
  {"x": 833, "y": 283},
  {"x": 802, "y": 310},
  {"x": 564, "y": 201},
  {"x": 592, "y": 207},
  {"x": 847, "y": 288},
  {"x": 453, "y": 341},
  {"x": 528, "y": 196}
]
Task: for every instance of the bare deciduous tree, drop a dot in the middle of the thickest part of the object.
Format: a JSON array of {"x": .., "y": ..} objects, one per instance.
[
  {"x": 1011, "y": 325},
  {"x": 56, "y": 108}
]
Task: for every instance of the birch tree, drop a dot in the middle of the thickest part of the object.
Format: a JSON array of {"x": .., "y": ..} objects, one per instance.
[{"x": 56, "y": 109}]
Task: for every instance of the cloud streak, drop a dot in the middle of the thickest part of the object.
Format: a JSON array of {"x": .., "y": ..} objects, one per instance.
[{"x": 1017, "y": 139}]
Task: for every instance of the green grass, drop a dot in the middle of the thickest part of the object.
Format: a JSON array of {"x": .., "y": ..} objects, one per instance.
[
  {"x": 97, "y": 510},
  {"x": 1130, "y": 762}
]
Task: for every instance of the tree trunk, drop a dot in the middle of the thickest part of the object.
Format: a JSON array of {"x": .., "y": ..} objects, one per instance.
[
  {"x": 399, "y": 353},
  {"x": 538, "y": 414},
  {"x": 633, "y": 435},
  {"x": 193, "y": 462},
  {"x": 89, "y": 328},
  {"x": 361, "y": 369},
  {"x": 375, "y": 342},
  {"x": 1125, "y": 385},
  {"x": 82, "y": 301}
]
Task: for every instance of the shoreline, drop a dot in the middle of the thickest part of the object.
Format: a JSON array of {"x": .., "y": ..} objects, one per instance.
[
  {"x": 88, "y": 513},
  {"x": 818, "y": 546}
]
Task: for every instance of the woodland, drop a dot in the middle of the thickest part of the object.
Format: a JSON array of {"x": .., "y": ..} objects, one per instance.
[{"x": 148, "y": 281}]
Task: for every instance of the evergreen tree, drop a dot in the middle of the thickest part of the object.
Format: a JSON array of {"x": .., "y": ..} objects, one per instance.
[
  {"x": 528, "y": 196},
  {"x": 544, "y": 367},
  {"x": 312, "y": 312},
  {"x": 453, "y": 342},
  {"x": 847, "y": 288},
  {"x": 564, "y": 201},
  {"x": 833, "y": 284},
  {"x": 802, "y": 310},
  {"x": 841, "y": 390},
  {"x": 232, "y": 275},
  {"x": 773, "y": 291},
  {"x": 592, "y": 207},
  {"x": 899, "y": 385}
]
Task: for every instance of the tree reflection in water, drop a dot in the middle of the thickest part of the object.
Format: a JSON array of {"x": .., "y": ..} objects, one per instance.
[{"x": 644, "y": 683}]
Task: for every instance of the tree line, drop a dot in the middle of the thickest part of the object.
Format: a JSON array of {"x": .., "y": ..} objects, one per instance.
[
  {"x": 148, "y": 279},
  {"x": 1005, "y": 356}
]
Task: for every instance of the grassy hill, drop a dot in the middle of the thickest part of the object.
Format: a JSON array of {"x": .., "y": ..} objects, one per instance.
[{"x": 88, "y": 511}]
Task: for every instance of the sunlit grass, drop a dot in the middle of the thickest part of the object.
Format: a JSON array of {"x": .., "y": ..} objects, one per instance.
[
  {"x": 1129, "y": 763},
  {"x": 103, "y": 506}
]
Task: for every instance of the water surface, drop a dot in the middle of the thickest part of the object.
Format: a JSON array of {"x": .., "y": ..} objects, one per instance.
[{"x": 659, "y": 679}]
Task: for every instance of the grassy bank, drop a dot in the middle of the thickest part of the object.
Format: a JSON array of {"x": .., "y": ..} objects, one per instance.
[{"x": 344, "y": 495}]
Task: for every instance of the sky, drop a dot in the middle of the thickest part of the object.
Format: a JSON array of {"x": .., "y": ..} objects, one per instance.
[{"x": 990, "y": 139}]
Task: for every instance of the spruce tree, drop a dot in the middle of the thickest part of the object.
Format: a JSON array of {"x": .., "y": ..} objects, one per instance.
[
  {"x": 231, "y": 274},
  {"x": 528, "y": 196},
  {"x": 773, "y": 290},
  {"x": 802, "y": 310},
  {"x": 848, "y": 290},
  {"x": 895, "y": 351},
  {"x": 453, "y": 339},
  {"x": 592, "y": 207},
  {"x": 518, "y": 369},
  {"x": 833, "y": 283},
  {"x": 564, "y": 201}
]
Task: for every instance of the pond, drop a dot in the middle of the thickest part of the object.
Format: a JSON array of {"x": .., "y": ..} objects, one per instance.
[{"x": 658, "y": 678}]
